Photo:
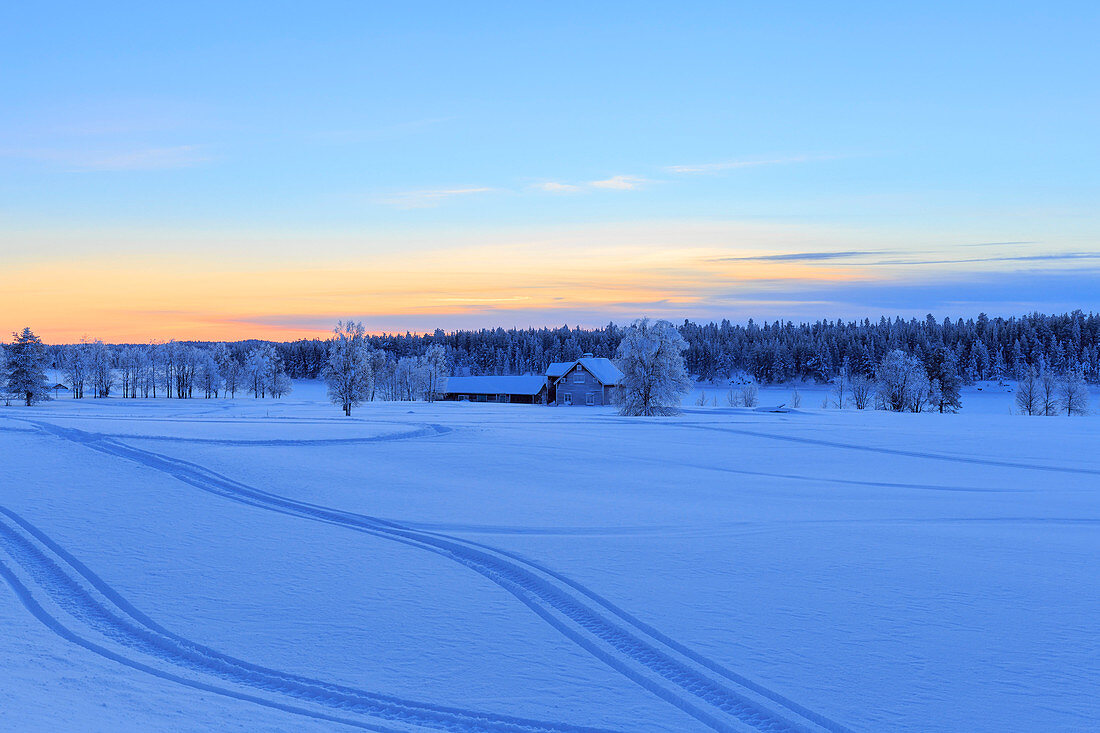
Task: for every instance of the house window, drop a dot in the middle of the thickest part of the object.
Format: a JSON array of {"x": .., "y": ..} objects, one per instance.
[
  {"x": 590, "y": 398},
  {"x": 567, "y": 398},
  {"x": 502, "y": 398},
  {"x": 578, "y": 377}
]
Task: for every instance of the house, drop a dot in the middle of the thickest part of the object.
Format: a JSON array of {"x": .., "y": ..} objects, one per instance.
[
  {"x": 530, "y": 389},
  {"x": 586, "y": 381}
]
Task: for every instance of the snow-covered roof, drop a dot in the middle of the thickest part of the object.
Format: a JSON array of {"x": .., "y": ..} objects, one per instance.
[
  {"x": 602, "y": 369},
  {"x": 529, "y": 385},
  {"x": 559, "y": 368}
]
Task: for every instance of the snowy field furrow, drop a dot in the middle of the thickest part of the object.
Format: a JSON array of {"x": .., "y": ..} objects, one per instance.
[{"x": 509, "y": 567}]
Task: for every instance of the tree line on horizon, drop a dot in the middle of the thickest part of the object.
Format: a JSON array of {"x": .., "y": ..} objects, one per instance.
[
  {"x": 949, "y": 352},
  {"x": 981, "y": 348}
]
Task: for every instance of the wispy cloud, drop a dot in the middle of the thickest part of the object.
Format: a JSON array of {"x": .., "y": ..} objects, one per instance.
[
  {"x": 1052, "y": 257},
  {"x": 555, "y": 187},
  {"x": 620, "y": 183},
  {"x": 432, "y": 197},
  {"x": 139, "y": 159},
  {"x": 803, "y": 256},
  {"x": 614, "y": 183},
  {"x": 735, "y": 164},
  {"x": 997, "y": 244}
]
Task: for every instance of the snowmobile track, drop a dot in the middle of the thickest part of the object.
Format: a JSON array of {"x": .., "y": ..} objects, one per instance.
[
  {"x": 893, "y": 451},
  {"x": 73, "y": 596},
  {"x": 703, "y": 689}
]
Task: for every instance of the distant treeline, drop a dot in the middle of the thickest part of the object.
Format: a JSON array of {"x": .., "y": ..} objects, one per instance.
[{"x": 777, "y": 352}]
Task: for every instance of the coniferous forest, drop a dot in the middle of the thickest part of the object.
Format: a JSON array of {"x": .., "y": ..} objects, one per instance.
[{"x": 777, "y": 352}]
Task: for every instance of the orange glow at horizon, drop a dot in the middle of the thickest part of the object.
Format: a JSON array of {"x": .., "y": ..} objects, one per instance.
[{"x": 171, "y": 297}]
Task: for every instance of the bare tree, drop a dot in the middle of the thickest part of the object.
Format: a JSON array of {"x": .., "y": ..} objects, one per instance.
[
  {"x": 1027, "y": 394},
  {"x": 1073, "y": 395},
  {"x": 841, "y": 385},
  {"x": 862, "y": 390},
  {"x": 1048, "y": 393}
]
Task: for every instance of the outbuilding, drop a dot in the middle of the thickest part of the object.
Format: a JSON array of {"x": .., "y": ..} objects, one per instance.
[{"x": 529, "y": 389}]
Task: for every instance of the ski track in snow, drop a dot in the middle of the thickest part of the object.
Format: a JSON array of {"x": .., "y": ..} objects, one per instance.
[
  {"x": 712, "y": 694},
  {"x": 892, "y": 451},
  {"x": 75, "y": 594}
]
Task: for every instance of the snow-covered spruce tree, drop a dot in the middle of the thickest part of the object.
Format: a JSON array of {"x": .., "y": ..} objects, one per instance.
[
  {"x": 655, "y": 380},
  {"x": 1073, "y": 395},
  {"x": 943, "y": 371},
  {"x": 25, "y": 372},
  {"x": 348, "y": 371}
]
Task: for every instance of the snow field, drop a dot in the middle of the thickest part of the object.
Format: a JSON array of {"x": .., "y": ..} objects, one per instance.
[{"x": 724, "y": 569}]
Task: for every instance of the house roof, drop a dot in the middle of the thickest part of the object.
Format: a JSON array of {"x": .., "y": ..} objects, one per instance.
[
  {"x": 602, "y": 369},
  {"x": 527, "y": 385}
]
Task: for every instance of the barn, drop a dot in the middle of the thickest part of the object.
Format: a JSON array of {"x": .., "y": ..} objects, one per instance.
[{"x": 530, "y": 389}]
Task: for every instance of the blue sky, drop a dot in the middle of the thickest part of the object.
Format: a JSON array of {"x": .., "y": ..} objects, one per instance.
[{"x": 176, "y": 170}]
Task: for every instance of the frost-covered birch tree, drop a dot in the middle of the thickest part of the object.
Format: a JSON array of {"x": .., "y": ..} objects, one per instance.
[
  {"x": 231, "y": 369},
  {"x": 348, "y": 371},
  {"x": 74, "y": 363},
  {"x": 437, "y": 367},
  {"x": 902, "y": 382},
  {"x": 655, "y": 379}
]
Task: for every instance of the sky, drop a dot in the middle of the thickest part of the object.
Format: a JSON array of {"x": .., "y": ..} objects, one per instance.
[{"x": 234, "y": 170}]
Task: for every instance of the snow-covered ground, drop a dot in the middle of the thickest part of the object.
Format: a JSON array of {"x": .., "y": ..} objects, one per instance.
[{"x": 273, "y": 565}]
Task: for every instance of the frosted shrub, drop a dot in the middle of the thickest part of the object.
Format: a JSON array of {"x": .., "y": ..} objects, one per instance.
[
  {"x": 733, "y": 399},
  {"x": 796, "y": 399},
  {"x": 749, "y": 395},
  {"x": 702, "y": 401}
]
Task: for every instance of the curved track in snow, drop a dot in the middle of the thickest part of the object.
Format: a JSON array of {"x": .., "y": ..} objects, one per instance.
[
  {"x": 78, "y": 605},
  {"x": 891, "y": 451},
  {"x": 707, "y": 691}
]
